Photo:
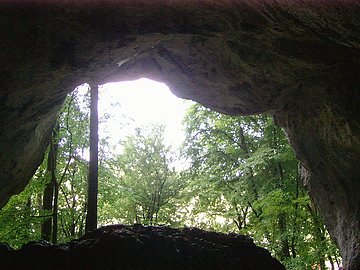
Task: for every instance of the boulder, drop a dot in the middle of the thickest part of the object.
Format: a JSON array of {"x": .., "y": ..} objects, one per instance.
[{"x": 146, "y": 248}]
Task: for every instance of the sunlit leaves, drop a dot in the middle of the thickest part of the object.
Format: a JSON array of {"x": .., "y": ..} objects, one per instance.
[
  {"x": 148, "y": 183},
  {"x": 244, "y": 171},
  {"x": 241, "y": 176}
]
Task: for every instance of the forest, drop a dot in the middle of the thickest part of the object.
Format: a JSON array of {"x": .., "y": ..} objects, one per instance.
[{"x": 231, "y": 174}]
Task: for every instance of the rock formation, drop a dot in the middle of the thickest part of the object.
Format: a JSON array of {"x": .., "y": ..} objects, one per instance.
[
  {"x": 144, "y": 248},
  {"x": 298, "y": 60}
]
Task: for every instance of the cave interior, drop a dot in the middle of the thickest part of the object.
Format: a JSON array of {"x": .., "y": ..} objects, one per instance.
[{"x": 299, "y": 61}]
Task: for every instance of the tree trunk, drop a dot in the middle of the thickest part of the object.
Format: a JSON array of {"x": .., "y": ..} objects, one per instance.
[
  {"x": 295, "y": 225},
  {"x": 250, "y": 170},
  {"x": 55, "y": 213},
  {"x": 319, "y": 237},
  {"x": 331, "y": 262},
  {"x": 91, "y": 217},
  {"x": 284, "y": 242},
  {"x": 47, "y": 200},
  {"x": 47, "y": 205},
  {"x": 282, "y": 219}
]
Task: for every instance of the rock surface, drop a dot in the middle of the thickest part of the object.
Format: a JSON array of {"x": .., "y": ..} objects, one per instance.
[
  {"x": 138, "y": 247},
  {"x": 298, "y": 60}
]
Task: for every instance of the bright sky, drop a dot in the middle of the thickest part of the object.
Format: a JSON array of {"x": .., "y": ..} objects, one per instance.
[{"x": 145, "y": 102}]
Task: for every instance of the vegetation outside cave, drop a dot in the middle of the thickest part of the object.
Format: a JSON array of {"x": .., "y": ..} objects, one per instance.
[{"x": 241, "y": 176}]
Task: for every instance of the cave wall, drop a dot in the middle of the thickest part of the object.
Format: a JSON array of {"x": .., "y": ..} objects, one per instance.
[{"x": 297, "y": 61}]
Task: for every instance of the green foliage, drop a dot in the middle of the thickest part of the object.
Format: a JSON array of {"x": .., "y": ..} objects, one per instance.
[
  {"x": 21, "y": 217},
  {"x": 148, "y": 184},
  {"x": 242, "y": 176}
]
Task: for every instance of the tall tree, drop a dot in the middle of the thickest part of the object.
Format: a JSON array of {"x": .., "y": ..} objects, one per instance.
[
  {"x": 244, "y": 171},
  {"x": 149, "y": 184},
  {"x": 68, "y": 173},
  {"x": 71, "y": 167},
  {"x": 91, "y": 217},
  {"x": 48, "y": 196}
]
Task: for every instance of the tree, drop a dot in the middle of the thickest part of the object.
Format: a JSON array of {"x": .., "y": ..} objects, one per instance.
[
  {"x": 149, "y": 185},
  {"x": 219, "y": 148},
  {"x": 21, "y": 217},
  {"x": 244, "y": 172},
  {"x": 91, "y": 217},
  {"x": 242, "y": 176},
  {"x": 48, "y": 196},
  {"x": 72, "y": 167},
  {"x": 65, "y": 151},
  {"x": 68, "y": 174}
]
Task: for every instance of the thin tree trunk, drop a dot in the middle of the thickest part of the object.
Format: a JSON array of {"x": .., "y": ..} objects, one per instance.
[
  {"x": 240, "y": 220},
  {"x": 331, "y": 262},
  {"x": 319, "y": 236},
  {"x": 285, "y": 246},
  {"x": 282, "y": 219},
  {"x": 47, "y": 201},
  {"x": 285, "y": 249},
  {"x": 55, "y": 213},
  {"x": 295, "y": 227},
  {"x": 47, "y": 205},
  {"x": 28, "y": 207},
  {"x": 82, "y": 221},
  {"x": 91, "y": 217},
  {"x": 74, "y": 218},
  {"x": 337, "y": 262},
  {"x": 250, "y": 170}
]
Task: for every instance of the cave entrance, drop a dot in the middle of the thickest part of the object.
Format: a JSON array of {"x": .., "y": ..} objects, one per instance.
[
  {"x": 296, "y": 60},
  {"x": 224, "y": 173}
]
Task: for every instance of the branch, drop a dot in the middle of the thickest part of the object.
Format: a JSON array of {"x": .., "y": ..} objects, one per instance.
[{"x": 42, "y": 216}]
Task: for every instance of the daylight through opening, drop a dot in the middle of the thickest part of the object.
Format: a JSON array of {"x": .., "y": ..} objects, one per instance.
[{"x": 166, "y": 161}]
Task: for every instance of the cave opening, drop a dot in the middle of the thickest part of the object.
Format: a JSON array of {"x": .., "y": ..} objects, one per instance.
[
  {"x": 229, "y": 174},
  {"x": 296, "y": 60}
]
